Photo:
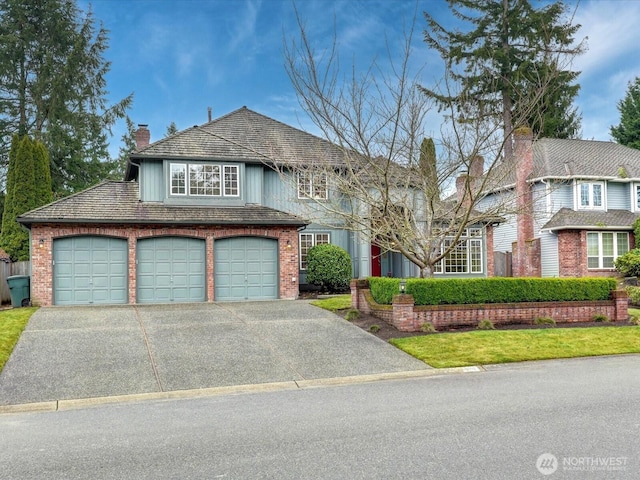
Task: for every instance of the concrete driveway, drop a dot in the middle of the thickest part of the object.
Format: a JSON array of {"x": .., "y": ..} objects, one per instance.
[{"x": 83, "y": 352}]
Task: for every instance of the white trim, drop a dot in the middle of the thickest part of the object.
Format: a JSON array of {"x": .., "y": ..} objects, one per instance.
[
  {"x": 186, "y": 179},
  {"x": 577, "y": 195},
  {"x": 314, "y": 242},
  {"x": 312, "y": 176},
  {"x": 600, "y": 249}
]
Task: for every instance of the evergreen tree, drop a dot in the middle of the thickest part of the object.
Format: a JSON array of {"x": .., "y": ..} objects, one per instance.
[
  {"x": 54, "y": 87},
  {"x": 627, "y": 132},
  {"x": 429, "y": 169},
  {"x": 171, "y": 129},
  {"x": 128, "y": 145},
  {"x": 15, "y": 239},
  {"x": 511, "y": 65},
  {"x": 42, "y": 174}
]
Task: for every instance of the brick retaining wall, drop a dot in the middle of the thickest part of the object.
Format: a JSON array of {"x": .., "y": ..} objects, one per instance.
[{"x": 405, "y": 316}]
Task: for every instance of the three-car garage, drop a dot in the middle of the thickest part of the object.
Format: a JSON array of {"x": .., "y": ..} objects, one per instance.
[{"x": 93, "y": 269}]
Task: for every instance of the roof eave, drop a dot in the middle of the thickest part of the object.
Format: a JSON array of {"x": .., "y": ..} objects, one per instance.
[
  {"x": 30, "y": 221},
  {"x": 587, "y": 227}
]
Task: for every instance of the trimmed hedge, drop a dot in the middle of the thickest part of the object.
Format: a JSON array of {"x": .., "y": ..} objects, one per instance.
[{"x": 449, "y": 291}]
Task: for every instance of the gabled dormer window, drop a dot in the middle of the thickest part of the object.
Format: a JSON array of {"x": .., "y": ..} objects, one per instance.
[
  {"x": 312, "y": 185},
  {"x": 591, "y": 195},
  {"x": 204, "y": 180}
]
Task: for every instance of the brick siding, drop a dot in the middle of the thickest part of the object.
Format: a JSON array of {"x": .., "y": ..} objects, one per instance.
[
  {"x": 43, "y": 235},
  {"x": 572, "y": 256},
  {"x": 406, "y": 317}
]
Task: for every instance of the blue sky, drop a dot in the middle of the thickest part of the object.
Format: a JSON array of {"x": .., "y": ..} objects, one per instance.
[{"x": 179, "y": 57}]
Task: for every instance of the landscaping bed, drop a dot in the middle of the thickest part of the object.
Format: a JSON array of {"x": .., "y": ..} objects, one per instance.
[{"x": 386, "y": 331}]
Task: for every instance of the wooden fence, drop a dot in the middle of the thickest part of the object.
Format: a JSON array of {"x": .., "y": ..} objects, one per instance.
[{"x": 7, "y": 270}]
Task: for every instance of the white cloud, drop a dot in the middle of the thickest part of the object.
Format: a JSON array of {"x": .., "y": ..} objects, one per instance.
[{"x": 610, "y": 62}]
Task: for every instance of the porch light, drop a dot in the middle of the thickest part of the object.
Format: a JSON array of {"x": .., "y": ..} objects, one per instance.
[
  {"x": 41, "y": 242},
  {"x": 403, "y": 286},
  {"x": 289, "y": 244}
]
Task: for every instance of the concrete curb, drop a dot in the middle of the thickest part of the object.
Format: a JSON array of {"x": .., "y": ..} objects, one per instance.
[{"x": 74, "y": 404}]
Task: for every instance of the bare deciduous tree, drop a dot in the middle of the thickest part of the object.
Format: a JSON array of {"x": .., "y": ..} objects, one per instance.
[{"x": 388, "y": 185}]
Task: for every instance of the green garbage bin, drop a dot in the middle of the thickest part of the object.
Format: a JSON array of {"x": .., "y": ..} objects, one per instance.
[{"x": 19, "y": 288}]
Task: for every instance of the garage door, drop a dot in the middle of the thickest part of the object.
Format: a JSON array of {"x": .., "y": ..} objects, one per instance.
[
  {"x": 171, "y": 269},
  {"x": 89, "y": 270},
  {"x": 246, "y": 268}
]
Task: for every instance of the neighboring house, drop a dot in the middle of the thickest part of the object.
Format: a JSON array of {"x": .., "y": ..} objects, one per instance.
[
  {"x": 201, "y": 216},
  {"x": 578, "y": 201}
]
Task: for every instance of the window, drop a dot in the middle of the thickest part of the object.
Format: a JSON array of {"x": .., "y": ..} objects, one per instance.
[
  {"x": 205, "y": 180},
  {"x": 231, "y": 181},
  {"x": 636, "y": 196},
  {"x": 604, "y": 247},
  {"x": 465, "y": 256},
  {"x": 307, "y": 241},
  {"x": 591, "y": 195},
  {"x": 178, "y": 179},
  {"x": 312, "y": 185}
]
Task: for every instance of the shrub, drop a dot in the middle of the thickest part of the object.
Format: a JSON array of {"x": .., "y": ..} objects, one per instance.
[
  {"x": 629, "y": 263},
  {"x": 544, "y": 321},
  {"x": 634, "y": 320},
  {"x": 427, "y": 327},
  {"x": 486, "y": 324},
  {"x": 600, "y": 317},
  {"x": 374, "y": 328},
  {"x": 634, "y": 294},
  {"x": 329, "y": 266},
  {"x": 352, "y": 314},
  {"x": 636, "y": 231}
]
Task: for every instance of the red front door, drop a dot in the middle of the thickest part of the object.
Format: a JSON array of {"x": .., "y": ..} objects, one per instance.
[{"x": 376, "y": 266}]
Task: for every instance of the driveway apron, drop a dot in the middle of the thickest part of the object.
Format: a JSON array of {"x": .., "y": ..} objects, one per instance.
[{"x": 83, "y": 352}]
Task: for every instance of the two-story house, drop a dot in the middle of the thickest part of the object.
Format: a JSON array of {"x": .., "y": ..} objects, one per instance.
[
  {"x": 201, "y": 215},
  {"x": 578, "y": 201}
]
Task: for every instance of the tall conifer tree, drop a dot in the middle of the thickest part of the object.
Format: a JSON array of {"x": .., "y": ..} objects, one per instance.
[
  {"x": 627, "y": 132},
  {"x": 53, "y": 75},
  {"x": 510, "y": 64}
]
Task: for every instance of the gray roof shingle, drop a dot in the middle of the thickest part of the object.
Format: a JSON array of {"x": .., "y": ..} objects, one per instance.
[
  {"x": 554, "y": 157},
  {"x": 246, "y": 136},
  {"x": 117, "y": 202},
  {"x": 566, "y": 218},
  {"x": 571, "y": 158}
]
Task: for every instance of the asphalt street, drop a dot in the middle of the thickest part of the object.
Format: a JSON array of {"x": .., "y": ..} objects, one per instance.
[{"x": 561, "y": 419}]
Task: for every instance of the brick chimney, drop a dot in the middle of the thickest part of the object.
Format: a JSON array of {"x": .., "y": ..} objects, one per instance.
[
  {"x": 476, "y": 167},
  {"x": 525, "y": 257},
  {"x": 143, "y": 136}
]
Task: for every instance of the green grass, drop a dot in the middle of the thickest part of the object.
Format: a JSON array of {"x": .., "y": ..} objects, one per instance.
[
  {"x": 634, "y": 312},
  {"x": 12, "y": 322},
  {"x": 489, "y": 347},
  {"x": 339, "y": 302}
]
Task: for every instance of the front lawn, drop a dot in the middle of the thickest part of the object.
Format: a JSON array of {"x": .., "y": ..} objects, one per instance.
[
  {"x": 333, "y": 304},
  {"x": 12, "y": 322},
  {"x": 501, "y": 346}
]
